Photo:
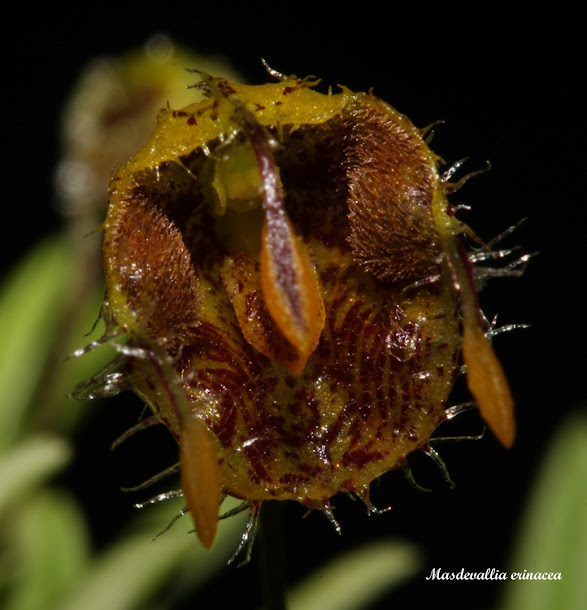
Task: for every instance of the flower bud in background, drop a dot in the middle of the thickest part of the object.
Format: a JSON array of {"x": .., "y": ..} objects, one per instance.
[{"x": 112, "y": 112}]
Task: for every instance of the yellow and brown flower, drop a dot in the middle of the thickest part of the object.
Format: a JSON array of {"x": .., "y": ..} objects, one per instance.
[{"x": 294, "y": 294}]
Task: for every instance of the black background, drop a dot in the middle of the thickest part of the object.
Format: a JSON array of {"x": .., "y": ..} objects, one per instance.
[{"x": 509, "y": 86}]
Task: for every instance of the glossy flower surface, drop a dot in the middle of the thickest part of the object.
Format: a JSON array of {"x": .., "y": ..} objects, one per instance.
[{"x": 294, "y": 294}]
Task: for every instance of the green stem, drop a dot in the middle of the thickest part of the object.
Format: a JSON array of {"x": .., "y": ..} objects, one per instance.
[{"x": 272, "y": 556}]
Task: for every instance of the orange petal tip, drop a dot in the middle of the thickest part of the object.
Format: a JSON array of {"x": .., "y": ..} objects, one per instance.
[{"x": 200, "y": 480}]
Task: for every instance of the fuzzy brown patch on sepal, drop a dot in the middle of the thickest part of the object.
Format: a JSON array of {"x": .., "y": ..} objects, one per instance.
[{"x": 391, "y": 177}]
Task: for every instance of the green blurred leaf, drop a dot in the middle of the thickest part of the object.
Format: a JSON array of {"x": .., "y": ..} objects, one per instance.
[
  {"x": 62, "y": 412},
  {"x": 132, "y": 571},
  {"x": 553, "y": 536},
  {"x": 358, "y": 578},
  {"x": 30, "y": 308},
  {"x": 50, "y": 551},
  {"x": 29, "y": 464}
]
